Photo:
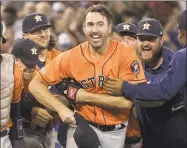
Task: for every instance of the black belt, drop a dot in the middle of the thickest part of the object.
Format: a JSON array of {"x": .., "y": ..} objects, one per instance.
[
  {"x": 105, "y": 128},
  {"x": 4, "y": 133},
  {"x": 28, "y": 125},
  {"x": 132, "y": 140}
]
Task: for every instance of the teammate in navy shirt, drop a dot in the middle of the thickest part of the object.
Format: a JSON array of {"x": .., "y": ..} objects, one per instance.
[
  {"x": 160, "y": 91},
  {"x": 173, "y": 81}
]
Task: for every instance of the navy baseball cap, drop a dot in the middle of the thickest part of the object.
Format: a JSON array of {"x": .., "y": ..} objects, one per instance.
[
  {"x": 3, "y": 39},
  {"x": 84, "y": 135},
  {"x": 150, "y": 27},
  {"x": 182, "y": 21},
  {"x": 34, "y": 22},
  {"x": 126, "y": 28},
  {"x": 27, "y": 51}
]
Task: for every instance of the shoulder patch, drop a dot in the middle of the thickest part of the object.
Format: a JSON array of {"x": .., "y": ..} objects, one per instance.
[
  {"x": 43, "y": 70},
  {"x": 135, "y": 67}
]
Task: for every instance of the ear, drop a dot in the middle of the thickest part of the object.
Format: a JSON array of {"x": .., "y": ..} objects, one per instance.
[
  {"x": 25, "y": 36},
  {"x": 162, "y": 40},
  {"x": 182, "y": 37},
  {"x": 110, "y": 28},
  {"x": 83, "y": 26}
]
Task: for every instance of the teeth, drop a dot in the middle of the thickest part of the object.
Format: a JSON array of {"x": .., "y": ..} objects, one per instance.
[
  {"x": 146, "y": 49},
  {"x": 95, "y": 37}
]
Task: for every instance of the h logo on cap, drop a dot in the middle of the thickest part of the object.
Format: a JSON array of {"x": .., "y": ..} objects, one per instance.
[
  {"x": 146, "y": 26},
  {"x": 34, "y": 51},
  {"x": 38, "y": 18},
  {"x": 126, "y": 27}
]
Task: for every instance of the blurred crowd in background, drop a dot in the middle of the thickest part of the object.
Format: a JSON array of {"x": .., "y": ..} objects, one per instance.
[{"x": 67, "y": 18}]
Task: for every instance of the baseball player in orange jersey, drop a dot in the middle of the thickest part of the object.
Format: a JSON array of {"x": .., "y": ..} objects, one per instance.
[
  {"x": 36, "y": 27},
  {"x": 91, "y": 64}
]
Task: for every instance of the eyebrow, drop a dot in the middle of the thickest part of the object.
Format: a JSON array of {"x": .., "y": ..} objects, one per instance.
[
  {"x": 100, "y": 22},
  {"x": 96, "y": 22}
]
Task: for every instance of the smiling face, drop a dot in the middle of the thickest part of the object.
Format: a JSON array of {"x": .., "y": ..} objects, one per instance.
[
  {"x": 96, "y": 29},
  {"x": 41, "y": 37},
  {"x": 149, "y": 48}
]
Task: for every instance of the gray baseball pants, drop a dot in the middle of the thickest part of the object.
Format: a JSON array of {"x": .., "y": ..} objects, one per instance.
[{"x": 5, "y": 141}]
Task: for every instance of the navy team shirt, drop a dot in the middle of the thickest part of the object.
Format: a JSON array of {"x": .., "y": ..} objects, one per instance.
[
  {"x": 154, "y": 75},
  {"x": 167, "y": 87}
]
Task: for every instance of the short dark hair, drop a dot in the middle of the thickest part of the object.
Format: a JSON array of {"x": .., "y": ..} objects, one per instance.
[{"x": 102, "y": 9}]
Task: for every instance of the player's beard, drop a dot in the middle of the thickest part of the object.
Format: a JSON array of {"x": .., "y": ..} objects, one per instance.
[
  {"x": 153, "y": 60},
  {"x": 42, "y": 47}
]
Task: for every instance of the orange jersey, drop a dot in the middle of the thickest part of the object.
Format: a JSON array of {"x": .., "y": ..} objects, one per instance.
[
  {"x": 18, "y": 87},
  {"x": 51, "y": 55},
  {"x": 118, "y": 61}
]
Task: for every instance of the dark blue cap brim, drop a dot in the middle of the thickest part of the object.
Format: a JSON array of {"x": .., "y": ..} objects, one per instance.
[
  {"x": 38, "y": 27},
  {"x": 29, "y": 63},
  {"x": 147, "y": 34},
  {"x": 127, "y": 32}
]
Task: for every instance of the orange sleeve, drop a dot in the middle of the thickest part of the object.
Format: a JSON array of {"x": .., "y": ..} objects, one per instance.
[
  {"x": 18, "y": 84},
  {"x": 131, "y": 68},
  {"x": 56, "y": 70}
]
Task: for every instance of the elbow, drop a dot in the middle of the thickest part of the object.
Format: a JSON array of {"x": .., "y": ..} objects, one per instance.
[
  {"x": 122, "y": 103},
  {"x": 126, "y": 104}
]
